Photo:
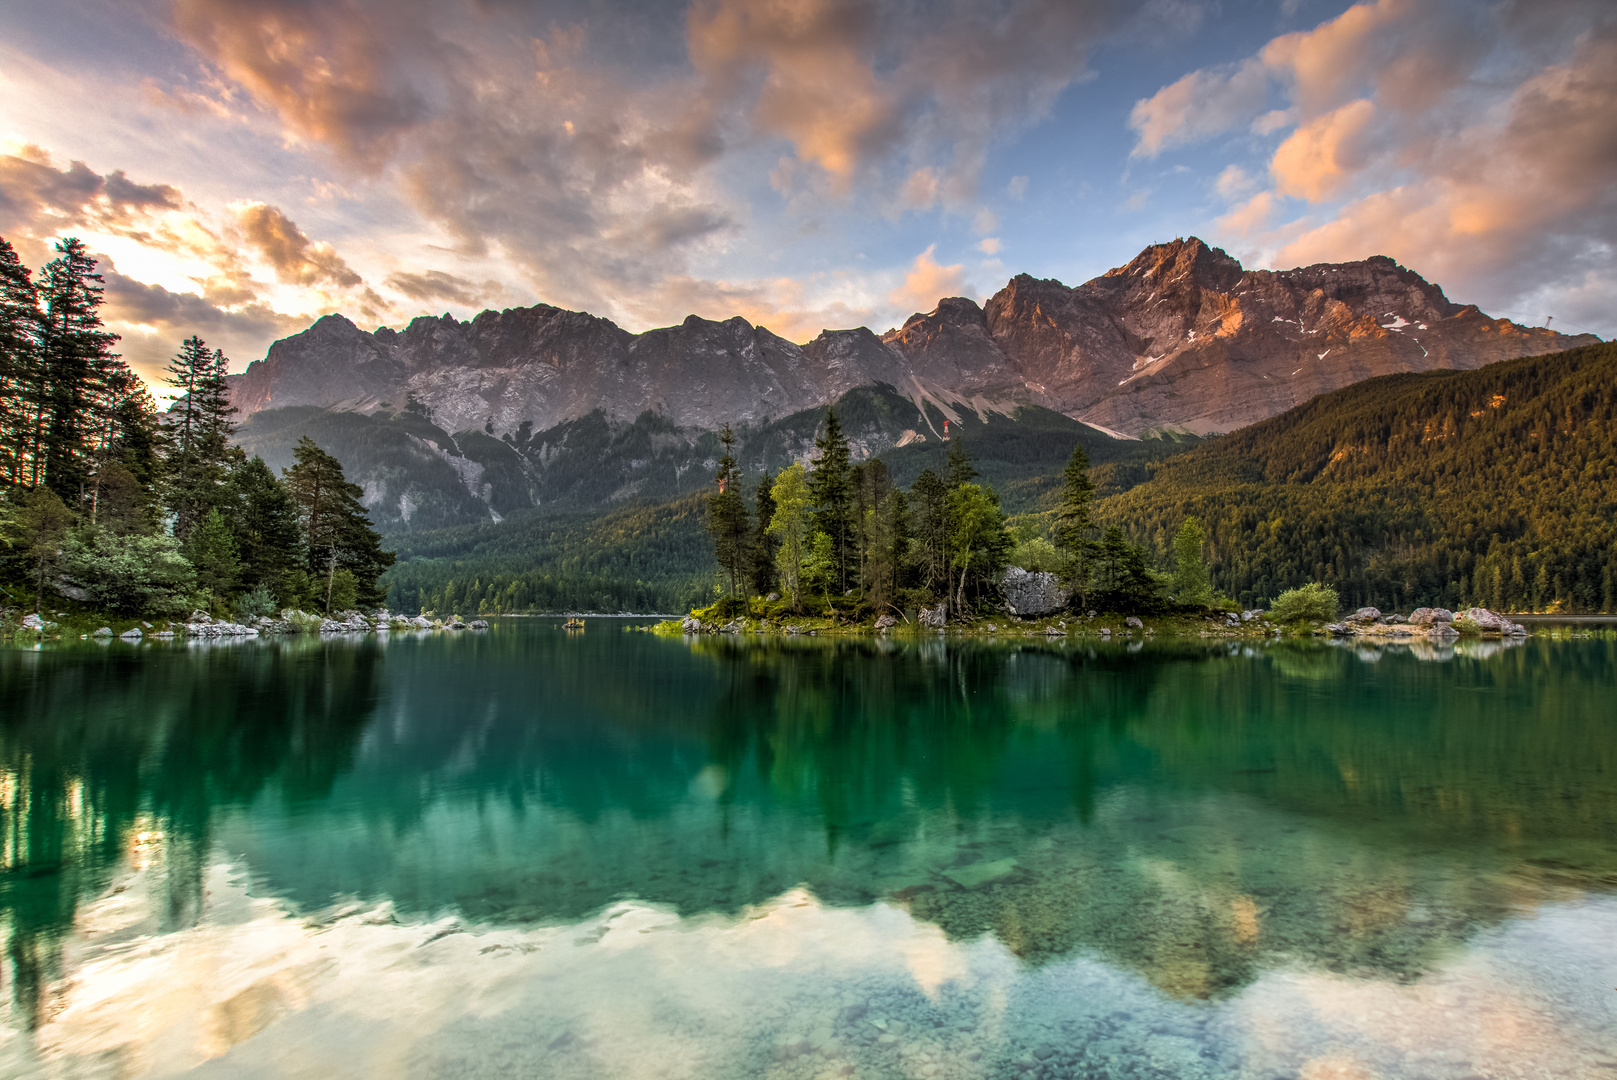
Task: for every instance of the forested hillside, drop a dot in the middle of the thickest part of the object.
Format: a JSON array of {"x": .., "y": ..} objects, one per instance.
[{"x": 1496, "y": 487}]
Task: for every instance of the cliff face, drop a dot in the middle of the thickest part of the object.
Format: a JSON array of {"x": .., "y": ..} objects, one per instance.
[{"x": 1181, "y": 337}]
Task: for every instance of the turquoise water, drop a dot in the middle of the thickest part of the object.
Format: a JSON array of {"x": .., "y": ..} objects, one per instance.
[{"x": 538, "y": 853}]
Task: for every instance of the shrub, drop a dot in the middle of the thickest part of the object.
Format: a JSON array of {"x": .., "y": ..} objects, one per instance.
[
  {"x": 1311, "y": 603},
  {"x": 258, "y": 600},
  {"x": 1037, "y": 555}
]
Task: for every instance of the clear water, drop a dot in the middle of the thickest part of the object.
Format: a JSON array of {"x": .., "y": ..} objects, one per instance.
[{"x": 530, "y": 852}]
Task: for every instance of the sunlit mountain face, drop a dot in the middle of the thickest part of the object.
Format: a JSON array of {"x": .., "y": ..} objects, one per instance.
[{"x": 241, "y": 169}]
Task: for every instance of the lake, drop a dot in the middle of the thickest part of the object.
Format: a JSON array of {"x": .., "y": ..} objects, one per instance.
[{"x": 533, "y": 852}]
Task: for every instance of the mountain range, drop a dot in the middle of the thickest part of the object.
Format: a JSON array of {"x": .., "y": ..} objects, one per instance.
[{"x": 1182, "y": 338}]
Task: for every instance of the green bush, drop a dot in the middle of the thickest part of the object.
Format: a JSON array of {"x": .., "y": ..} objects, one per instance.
[
  {"x": 129, "y": 575},
  {"x": 1311, "y": 603}
]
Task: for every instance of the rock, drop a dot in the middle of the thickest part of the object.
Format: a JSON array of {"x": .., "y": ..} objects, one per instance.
[
  {"x": 1133, "y": 623},
  {"x": 477, "y": 624},
  {"x": 934, "y": 618},
  {"x": 1054, "y": 631},
  {"x": 200, "y": 616},
  {"x": 1428, "y": 616},
  {"x": 886, "y": 622},
  {"x": 1030, "y": 594},
  {"x": 792, "y": 631},
  {"x": 990, "y": 627},
  {"x": 1364, "y": 615},
  {"x": 772, "y": 598},
  {"x": 105, "y": 631},
  {"x": 1391, "y": 620},
  {"x": 691, "y": 625},
  {"x": 33, "y": 622},
  {"x": 1443, "y": 630},
  {"x": 1488, "y": 622},
  {"x": 132, "y": 634},
  {"x": 1339, "y": 629},
  {"x": 455, "y": 624}
]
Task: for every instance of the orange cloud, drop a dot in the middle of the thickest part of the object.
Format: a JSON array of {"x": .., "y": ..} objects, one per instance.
[
  {"x": 296, "y": 259},
  {"x": 927, "y": 282},
  {"x": 1314, "y": 161}
]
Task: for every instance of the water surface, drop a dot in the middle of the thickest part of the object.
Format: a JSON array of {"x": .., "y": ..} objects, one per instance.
[{"x": 533, "y": 852}]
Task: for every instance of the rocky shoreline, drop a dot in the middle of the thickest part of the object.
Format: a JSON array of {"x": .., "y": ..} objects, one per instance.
[{"x": 1430, "y": 623}]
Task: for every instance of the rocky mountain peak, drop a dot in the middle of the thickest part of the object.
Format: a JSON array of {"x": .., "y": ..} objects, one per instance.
[{"x": 1180, "y": 336}]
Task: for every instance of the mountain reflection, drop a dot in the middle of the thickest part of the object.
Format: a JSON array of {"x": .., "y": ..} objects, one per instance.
[{"x": 1196, "y": 814}]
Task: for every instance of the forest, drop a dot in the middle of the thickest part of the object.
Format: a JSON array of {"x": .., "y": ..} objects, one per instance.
[{"x": 108, "y": 505}]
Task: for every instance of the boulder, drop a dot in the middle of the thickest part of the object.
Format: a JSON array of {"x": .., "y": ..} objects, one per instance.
[
  {"x": 772, "y": 598},
  {"x": 477, "y": 624},
  {"x": 105, "y": 631},
  {"x": 1365, "y": 615},
  {"x": 1443, "y": 630},
  {"x": 934, "y": 618},
  {"x": 1427, "y": 616},
  {"x": 1133, "y": 623},
  {"x": 691, "y": 625},
  {"x": 33, "y": 622},
  {"x": 132, "y": 634},
  {"x": 1340, "y": 629},
  {"x": 1032, "y": 593},
  {"x": 1054, "y": 631},
  {"x": 200, "y": 616},
  {"x": 886, "y": 622},
  {"x": 1488, "y": 622}
]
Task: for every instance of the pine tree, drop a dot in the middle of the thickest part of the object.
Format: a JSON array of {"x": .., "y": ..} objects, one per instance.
[
  {"x": 727, "y": 517},
  {"x": 960, "y": 469},
  {"x": 337, "y": 533},
  {"x": 1074, "y": 525},
  {"x": 77, "y": 355},
  {"x": 930, "y": 505},
  {"x": 831, "y": 488},
  {"x": 21, "y": 374},
  {"x": 211, "y": 549},
  {"x": 199, "y": 431},
  {"x": 764, "y": 543},
  {"x": 264, "y": 521}
]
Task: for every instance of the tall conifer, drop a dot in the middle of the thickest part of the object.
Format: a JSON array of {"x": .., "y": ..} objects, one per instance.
[{"x": 831, "y": 488}]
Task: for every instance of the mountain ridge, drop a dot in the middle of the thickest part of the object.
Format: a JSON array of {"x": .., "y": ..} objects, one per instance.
[{"x": 1182, "y": 337}]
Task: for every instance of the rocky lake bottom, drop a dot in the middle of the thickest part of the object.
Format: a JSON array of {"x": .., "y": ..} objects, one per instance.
[{"x": 608, "y": 854}]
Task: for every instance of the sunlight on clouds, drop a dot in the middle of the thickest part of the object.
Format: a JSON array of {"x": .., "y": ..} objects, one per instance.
[
  {"x": 927, "y": 282},
  {"x": 1319, "y": 156}
]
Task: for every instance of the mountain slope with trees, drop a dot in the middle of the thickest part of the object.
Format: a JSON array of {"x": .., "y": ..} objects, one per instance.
[{"x": 1495, "y": 487}]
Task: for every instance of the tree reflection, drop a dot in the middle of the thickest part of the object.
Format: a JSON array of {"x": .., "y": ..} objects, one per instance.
[{"x": 108, "y": 753}]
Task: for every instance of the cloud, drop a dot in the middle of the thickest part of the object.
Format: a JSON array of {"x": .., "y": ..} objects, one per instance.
[
  {"x": 1319, "y": 156},
  {"x": 1017, "y": 188},
  {"x": 927, "y": 282},
  {"x": 1202, "y": 103},
  {"x": 295, "y": 258},
  {"x": 438, "y": 285},
  {"x": 153, "y": 321},
  {"x": 1233, "y": 182},
  {"x": 989, "y": 245},
  {"x": 38, "y": 200}
]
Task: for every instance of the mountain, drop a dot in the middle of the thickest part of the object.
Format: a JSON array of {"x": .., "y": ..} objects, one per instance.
[
  {"x": 1496, "y": 487},
  {"x": 1182, "y": 337},
  {"x": 418, "y": 476}
]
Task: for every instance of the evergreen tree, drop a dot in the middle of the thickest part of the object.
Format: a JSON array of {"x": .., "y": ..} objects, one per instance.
[
  {"x": 764, "y": 543},
  {"x": 265, "y": 524},
  {"x": 1123, "y": 579},
  {"x": 43, "y": 521},
  {"x": 831, "y": 488},
  {"x": 77, "y": 355},
  {"x": 21, "y": 374},
  {"x": 337, "y": 533},
  {"x": 1074, "y": 525},
  {"x": 880, "y": 532},
  {"x": 211, "y": 550},
  {"x": 199, "y": 432},
  {"x": 727, "y": 517},
  {"x": 1190, "y": 581},
  {"x": 929, "y": 499},
  {"x": 978, "y": 542},
  {"x": 960, "y": 469},
  {"x": 791, "y": 526}
]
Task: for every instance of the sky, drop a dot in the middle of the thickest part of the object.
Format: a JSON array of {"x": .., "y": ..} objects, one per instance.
[{"x": 242, "y": 167}]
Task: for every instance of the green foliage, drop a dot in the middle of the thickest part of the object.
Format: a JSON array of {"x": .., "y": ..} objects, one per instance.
[
  {"x": 1495, "y": 487},
  {"x": 765, "y": 544},
  {"x": 211, "y": 550},
  {"x": 1074, "y": 524},
  {"x": 130, "y": 574},
  {"x": 831, "y": 489},
  {"x": 1122, "y": 577},
  {"x": 727, "y": 519},
  {"x": 337, "y": 534},
  {"x": 1308, "y": 603},
  {"x": 257, "y": 601},
  {"x": 1190, "y": 582},
  {"x": 978, "y": 542},
  {"x": 41, "y": 524},
  {"x": 790, "y": 526},
  {"x": 1037, "y": 555},
  {"x": 820, "y": 566},
  {"x": 343, "y": 593}
]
